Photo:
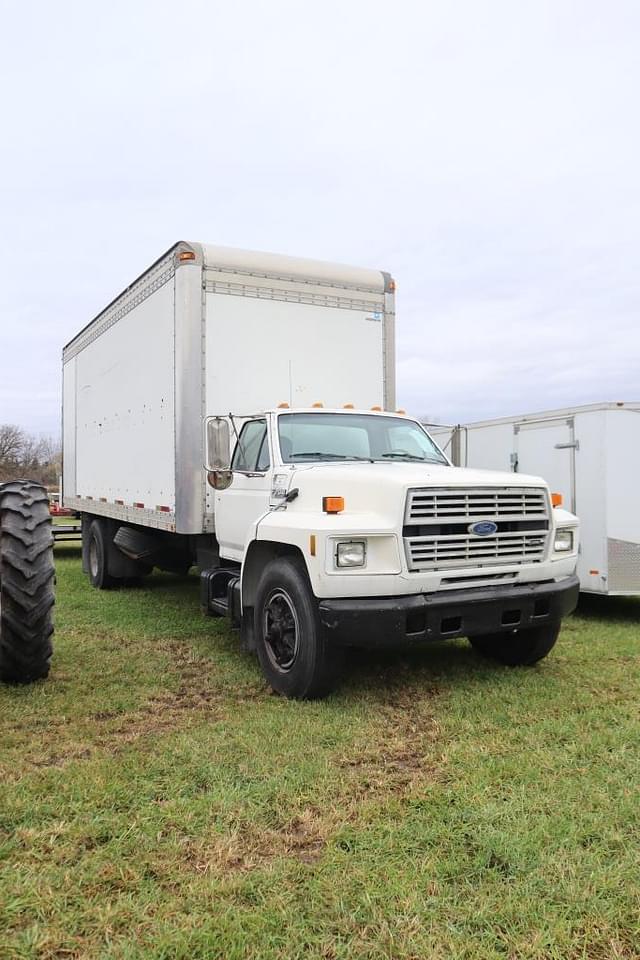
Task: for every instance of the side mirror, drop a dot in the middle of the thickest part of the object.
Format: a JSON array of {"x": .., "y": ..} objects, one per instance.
[{"x": 218, "y": 444}]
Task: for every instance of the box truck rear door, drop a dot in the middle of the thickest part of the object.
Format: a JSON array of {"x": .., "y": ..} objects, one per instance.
[{"x": 546, "y": 448}]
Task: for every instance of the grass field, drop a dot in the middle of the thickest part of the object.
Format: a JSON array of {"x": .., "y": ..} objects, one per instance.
[{"x": 157, "y": 801}]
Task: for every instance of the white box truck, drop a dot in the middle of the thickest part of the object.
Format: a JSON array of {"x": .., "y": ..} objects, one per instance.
[
  {"x": 236, "y": 411},
  {"x": 587, "y": 455}
]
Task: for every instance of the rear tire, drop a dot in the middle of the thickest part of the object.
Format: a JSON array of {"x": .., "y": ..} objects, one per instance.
[
  {"x": 98, "y": 558},
  {"x": 293, "y": 653},
  {"x": 26, "y": 582},
  {"x": 522, "y": 648}
]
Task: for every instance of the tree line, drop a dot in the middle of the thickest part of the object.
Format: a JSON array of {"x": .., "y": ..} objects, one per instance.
[{"x": 24, "y": 455}]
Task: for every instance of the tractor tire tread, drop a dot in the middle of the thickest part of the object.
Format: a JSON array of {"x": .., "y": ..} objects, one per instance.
[{"x": 26, "y": 582}]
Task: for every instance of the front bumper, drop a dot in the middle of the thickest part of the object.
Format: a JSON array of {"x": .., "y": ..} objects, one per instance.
[{"x": 390, "y": 621}]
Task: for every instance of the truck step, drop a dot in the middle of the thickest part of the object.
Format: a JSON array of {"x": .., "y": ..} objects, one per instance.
[{"x": 220, "y": 592}]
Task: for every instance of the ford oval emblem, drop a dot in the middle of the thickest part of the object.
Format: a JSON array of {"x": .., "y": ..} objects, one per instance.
[{"x": 484, "y": 528}]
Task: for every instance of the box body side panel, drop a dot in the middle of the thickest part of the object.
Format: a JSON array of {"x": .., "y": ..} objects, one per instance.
[
  {"x": 262, "y": 351},
  {"x": 125, "y": 410}
]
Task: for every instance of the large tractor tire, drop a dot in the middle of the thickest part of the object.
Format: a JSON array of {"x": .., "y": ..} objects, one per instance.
[{"x": 26, "y": 582}]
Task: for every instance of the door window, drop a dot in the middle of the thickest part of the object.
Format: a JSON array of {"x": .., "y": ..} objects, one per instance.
[{"x": 252, "y": 449}]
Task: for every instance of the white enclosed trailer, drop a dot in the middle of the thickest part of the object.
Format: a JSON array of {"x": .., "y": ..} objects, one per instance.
[
  {"x": 330, "y": 526},
  {"x": 590, "y": 455}
]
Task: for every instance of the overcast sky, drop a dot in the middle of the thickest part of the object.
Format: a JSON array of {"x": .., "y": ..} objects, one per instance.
[{"x": 485, "y": 152}]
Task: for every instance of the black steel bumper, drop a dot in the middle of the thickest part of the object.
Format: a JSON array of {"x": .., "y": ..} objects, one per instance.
[{"x": 389, "y": 621}]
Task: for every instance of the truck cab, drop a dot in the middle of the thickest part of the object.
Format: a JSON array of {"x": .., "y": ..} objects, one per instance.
[{"x": 343, "y": 527}]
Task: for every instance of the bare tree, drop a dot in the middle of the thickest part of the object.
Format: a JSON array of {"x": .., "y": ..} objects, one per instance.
[
  {"x": 11, "y": 442},
  {"x": 23, "y": 455}
]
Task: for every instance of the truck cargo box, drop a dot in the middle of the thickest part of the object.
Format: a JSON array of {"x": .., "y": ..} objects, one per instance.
[{"x": 209, "y": 331}]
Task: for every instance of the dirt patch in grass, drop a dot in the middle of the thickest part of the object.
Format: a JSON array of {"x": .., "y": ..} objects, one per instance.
[
  {"x": 399, "y": 759},
  {"x": 248, "y": 846},
  {"x": 401, "y": 752},
  {"x": 66, "y": 739}
]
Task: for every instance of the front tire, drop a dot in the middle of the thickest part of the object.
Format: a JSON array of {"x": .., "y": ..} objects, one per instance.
[
  {"x": 519, "y": 648},
  {"x": 293, "y": 653},
  {"x": 26, "y": 582}
]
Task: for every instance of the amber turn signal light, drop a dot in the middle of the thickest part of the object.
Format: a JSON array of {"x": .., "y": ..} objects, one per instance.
[
  {"x": 333, "y": 504},
  {"x": 556, "y": 499}
]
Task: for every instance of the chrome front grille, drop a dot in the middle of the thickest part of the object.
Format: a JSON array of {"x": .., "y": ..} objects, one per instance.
[
  {"x": 471, "y": 505},
  {"x": 437, "y": 522}
]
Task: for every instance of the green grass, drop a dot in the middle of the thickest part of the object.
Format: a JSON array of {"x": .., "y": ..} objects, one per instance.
[{"x": 156, "y": 800}]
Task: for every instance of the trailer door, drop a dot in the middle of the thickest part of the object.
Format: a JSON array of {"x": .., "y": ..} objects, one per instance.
[{"x": 546, "y": 448}]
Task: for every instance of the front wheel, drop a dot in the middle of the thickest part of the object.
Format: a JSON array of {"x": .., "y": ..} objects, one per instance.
[
  {"x": 294, "y": 656},
  {"x": 519, "y": 648}
]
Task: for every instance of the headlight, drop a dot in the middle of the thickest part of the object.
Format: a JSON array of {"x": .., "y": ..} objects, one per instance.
[
  {"x": 564, "y": 541},
  {"x": 352, "y": 553}
]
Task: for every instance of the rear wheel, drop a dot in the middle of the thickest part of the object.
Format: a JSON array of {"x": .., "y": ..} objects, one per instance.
[
  {"x": 521, "y": 648},
  {"x": 294, "y": 655},
  {"x": 26, "y": 582},
  {"x": 98, "y": 558}
]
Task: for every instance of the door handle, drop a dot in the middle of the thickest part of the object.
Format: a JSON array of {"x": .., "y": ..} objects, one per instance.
[{"x": 572, "y": 445}]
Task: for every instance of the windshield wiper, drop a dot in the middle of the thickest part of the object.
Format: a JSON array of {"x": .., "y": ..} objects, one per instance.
[
  {"x": 412, "y": 456},
  {"x": 319, "y": 455}
]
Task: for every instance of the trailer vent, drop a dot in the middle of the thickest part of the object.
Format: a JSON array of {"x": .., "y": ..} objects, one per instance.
[{"x": 437, "y": 525}]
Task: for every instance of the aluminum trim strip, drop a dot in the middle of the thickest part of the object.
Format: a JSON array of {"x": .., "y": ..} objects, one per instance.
[{"x": 127, "y": 513}]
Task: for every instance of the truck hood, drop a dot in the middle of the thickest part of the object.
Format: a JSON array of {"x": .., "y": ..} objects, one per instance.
[
  {"x": 381, "y": 487},
  {"x": 400, "y": 473}
]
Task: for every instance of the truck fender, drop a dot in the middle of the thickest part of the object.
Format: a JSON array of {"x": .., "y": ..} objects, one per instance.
[{"x": 257, "y": 555}]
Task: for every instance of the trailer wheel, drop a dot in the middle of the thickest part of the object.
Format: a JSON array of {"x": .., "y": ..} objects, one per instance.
[
  {"x": 26, "y": 582},
  {"x": 97, "y": 558},
  {"x": 522, "y": 648},
  {"x": 293, "y": 654}
]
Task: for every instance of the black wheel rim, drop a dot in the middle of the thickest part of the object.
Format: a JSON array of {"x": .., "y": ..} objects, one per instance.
[{"x": 280, "y": 630}]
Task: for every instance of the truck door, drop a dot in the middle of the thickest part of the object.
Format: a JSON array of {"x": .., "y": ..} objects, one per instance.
[
  {"x": 239, "y": 506},
  {"x": 546, "y": 448}
]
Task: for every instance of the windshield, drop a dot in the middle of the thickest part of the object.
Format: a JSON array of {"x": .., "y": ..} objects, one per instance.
[{"x": 305, "y": 437}]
